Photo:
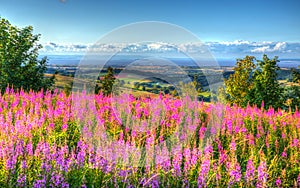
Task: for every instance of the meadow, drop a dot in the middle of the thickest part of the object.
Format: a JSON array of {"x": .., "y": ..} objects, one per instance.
[{"x": 50, "y": 139}]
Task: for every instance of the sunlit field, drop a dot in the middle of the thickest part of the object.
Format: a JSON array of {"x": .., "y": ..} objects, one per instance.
[{"x": 85, "y": 140}]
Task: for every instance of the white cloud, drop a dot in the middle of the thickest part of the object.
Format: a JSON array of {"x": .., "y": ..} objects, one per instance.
[
  {"x": 276, "y": 47},
  {"x": 219, "y": 49},
  {"x": 236, "y": 42},
  {"x": 279, "y": 46},
  {"x": 262, "y": 49}
]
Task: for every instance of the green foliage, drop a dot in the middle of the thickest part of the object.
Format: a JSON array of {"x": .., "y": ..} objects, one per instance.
[
  {"x": 197, "y": 85},
  {"x": 107, "y": 82},
  {"x": 255, "y": 84},
  {"x": 136, "y": 85},
  {"x": 292, "y": 97},
  {"x": 19, "y": 64},
  {"x": 192, "y": 89},
  {"x": 222, "y": 96},
  {"x": 266, "y": 87},
  {"x": 292, "y": 93},
  {"x": 296, "y": 76},
  {"x": 239, "y": 84},
  {"x": 68, "y": 88}
]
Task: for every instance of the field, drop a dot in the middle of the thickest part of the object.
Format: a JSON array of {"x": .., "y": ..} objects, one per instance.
[
  {"x": 151, "y": 86},
  {"x": 86, "y": 140}
]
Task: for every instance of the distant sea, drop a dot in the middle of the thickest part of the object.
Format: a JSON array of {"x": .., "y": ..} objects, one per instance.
[{"x": 73, "y": 60}]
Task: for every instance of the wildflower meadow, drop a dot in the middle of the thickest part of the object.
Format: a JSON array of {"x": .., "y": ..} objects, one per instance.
[{"x": 50, "y": 139}]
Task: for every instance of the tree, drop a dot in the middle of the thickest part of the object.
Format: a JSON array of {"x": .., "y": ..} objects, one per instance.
[
  {"x": 296, "y": 76},
  {"x": 239, "y": 84},
  {"x": 266, "y": 87},
  {"x": 108, "y": 82},
  {"x": 197, "y": 85},
  {"x": 19, "y": 63},
  {"x": 292, "y": 93},
  {"x": 255, "y": 84},
  {"x": 136, "y": 85}
]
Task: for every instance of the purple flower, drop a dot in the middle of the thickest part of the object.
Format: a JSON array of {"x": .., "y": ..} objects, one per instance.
[
  {"x": 40, "y": 183},
  {"x": 123, "y": 173},
  {"x": 80, "y": 157},
  {"x": 250, "y": 171},
  {"x": 194, "y": 157},
  {"x": 154, "y": 183},
  {"x": 205, "y": 167},
  {"x": 56, "y": 179},
  {"x": 24, "y": 165},
  {"x": 262, "y": 174},
  {"x": 65, "y": 185},
  {"x": 11, "y": 162},
  {"x": 21, "y": 182},
  {"x": 46, "y": 166},
  {"x": 177, "y": 164},
  {"x": 235, "y": 173},
  {"x": 187, "y": 156}
]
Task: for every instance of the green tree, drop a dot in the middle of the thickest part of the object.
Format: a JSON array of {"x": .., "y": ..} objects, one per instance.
[
  {"x": 239, "y": 84},
  {"x": 68, "y": 88},
  {"x": 255, "y": 84},
  {"x": 19, "y": 63},
  {"x": 266, "y": 87},
  {"x": 296, "y": 76},
  {"x": 197, "y": 85},
  {"x": 136, "y": 85},
  {"x": 108, "y": 81},
  {"x": 292, "y": 93}
]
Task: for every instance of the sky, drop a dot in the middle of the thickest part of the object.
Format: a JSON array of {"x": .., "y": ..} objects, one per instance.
[{"x": 69, "y": 22}]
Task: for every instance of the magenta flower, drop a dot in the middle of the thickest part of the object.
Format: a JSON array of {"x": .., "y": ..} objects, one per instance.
[
  {"x": 278, "y": 182},
  {"x": 284, "y": 154}
]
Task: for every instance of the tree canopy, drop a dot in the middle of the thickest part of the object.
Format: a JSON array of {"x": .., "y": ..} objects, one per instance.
[{"x": 20, "y": 66}]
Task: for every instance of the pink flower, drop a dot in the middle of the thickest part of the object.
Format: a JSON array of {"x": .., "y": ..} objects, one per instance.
[
  {"x": 278, "y": 182},
  {"x": 284, "y": 154}
]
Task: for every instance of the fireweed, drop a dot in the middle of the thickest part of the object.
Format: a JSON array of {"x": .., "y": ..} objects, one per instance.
[{"x": 49, "y": 140}]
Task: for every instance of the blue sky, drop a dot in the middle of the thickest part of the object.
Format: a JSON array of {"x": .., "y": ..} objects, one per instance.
[{"x": 85, "y": 21}]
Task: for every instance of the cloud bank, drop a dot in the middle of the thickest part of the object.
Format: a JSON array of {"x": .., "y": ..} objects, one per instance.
[{"x": 223, "y": 49}]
